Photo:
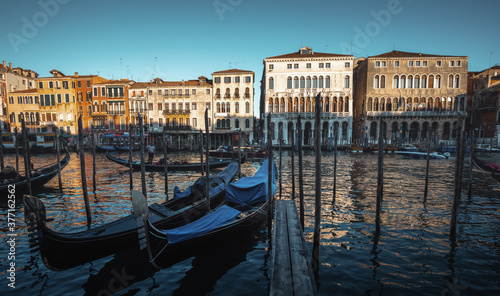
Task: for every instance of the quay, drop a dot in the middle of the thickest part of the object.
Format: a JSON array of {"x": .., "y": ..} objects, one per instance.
[{"x": 291, "y": 272}]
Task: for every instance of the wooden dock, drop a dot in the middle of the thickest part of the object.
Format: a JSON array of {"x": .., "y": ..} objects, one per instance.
[{"x": 291, "y": 272}]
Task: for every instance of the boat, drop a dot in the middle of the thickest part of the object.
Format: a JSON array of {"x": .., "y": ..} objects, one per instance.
[
  {"x": 38, "y": 178},
  {"x": 489, "y": 167},
  {"x": 174, "y": 166},
  {"x": 61, "y": 251},
  {"x": 104, "y": 148},
  {"x": 228, "y": 152},
  {"x": 409, "y": 147},
  {"x": 38, "y": 142},
  {"x": 423, "y": 155},
  {"x": 244, "y": 210},
  {"x": 486, "y": 148}
]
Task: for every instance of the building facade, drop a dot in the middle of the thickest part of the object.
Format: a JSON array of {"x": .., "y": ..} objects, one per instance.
[
  {"x": 233, "y": 106},
  {"x": 290, "y": 83},
  {"x": 24, "y": 105},
  {"x": 413, "y": 92}
]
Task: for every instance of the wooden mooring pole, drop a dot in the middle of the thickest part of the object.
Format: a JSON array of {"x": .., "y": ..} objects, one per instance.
[
  {"x": 427, "y": 164},
  {"x": 130, "y": 168},
  {"x": 458, "y": 178},
  {"x": 143, "y": 160},
  {"x": 293, "y": 162},
  {"x": 26, "y": 147},
  {"x": 269, "y": 180},
  {"x": 239, "y": 153},
  {"x": 16, "y": 145},
  {"x": 280, "y": 138},
  {"x": 335, "y": 132},
  {"x": 301, "y": 175},
  {"x": 380, "y": 174},
  {"x": 82, "y": 172},
  {"x": 201, "y": 152},
  {"x": 207, "y": 159},
  {"x": 1, "y": 148},
  {"x": 317, "y": 199},
  {"x": 93, "y": 158},
  {"x": 165, "y": 162},
  {"x": 58, "y": 151}
]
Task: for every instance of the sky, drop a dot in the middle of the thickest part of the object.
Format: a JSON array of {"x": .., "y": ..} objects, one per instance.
[{"x": 182, "y": 40}]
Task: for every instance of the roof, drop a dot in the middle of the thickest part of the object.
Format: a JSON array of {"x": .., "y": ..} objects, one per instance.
[
  {"x": 115, "y": 82},
  {"x": 405, "y": 54},
  {"x": 232, "y": 71},
  {"x": 26, "y": 91},
  {"x": 189, "y": 83},
  {"x": 306, "y": 52}
]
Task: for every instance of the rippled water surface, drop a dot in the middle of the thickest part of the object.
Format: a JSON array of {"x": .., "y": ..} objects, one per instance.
[{"x": 412, "y": 255}]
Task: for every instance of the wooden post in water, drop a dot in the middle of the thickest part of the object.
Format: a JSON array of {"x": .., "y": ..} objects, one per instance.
[
  {"x": 82, "y": 172},
  {"x": 58, "y": 151},
  {"x": 93, "y": 158},
  {"x": 427, "y": 163},
  {"x": 280, "y": 138},
  {"x": 458, "y": 176},
  {"x": 471, "y": 164},
  {"x": 143, "y": 161},
  {"x": 26, "y": 144},
  {"x": 293, "y": 162},
  {"x": 301, "y": 175},
  {"x": 335, "y": 132},
  {"x": 380, "y": 174},
  {"x": 317, "y": 199},
  {"x": 201, "y": 152},
  {"x": 1, "y": 149},
  {"x": 165, "y": 163},
  {"x": 207, "y": 159},
  {"x": 239, "y": 153},
  {"x": 16, "y": 145},
  {"x": 130, "y": 171},
  {"x": 270, "y": 175}
]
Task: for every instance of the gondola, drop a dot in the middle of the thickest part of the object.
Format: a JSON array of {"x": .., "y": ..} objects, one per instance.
[
  {"x": 227, "y": 152},
  {"x": 104, "y": 148},
  {"x": 175, "y": 166},
  {"x": 61, "y": 251},
  {"x": 492, "y": 168},
  {"x": 423, "y": 155},
  {"x": 244, "y": 209},
  {"x": 38, "y": 178}
]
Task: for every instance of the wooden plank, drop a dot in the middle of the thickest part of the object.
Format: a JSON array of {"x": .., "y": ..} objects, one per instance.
[
  {"x": 281, "y": 277},
  {"x": 301, "y": 270}
]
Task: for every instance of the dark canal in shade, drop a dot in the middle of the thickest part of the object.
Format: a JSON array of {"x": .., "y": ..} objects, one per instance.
[{"x": 413, "y": 255}]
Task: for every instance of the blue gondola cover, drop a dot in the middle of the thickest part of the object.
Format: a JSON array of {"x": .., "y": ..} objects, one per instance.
[
  {"x": 252, "y": 190},
  {"x": 207, "y": 223}
]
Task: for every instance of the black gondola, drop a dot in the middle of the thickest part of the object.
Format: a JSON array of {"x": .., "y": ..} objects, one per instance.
[
  {"x": 491, "y": 168},
  {"x": 61, "y": 251},
  {"x": 39, "y": 177},
  {"x": 175, "y": 166},
  {"x": 244, "y": 210}
]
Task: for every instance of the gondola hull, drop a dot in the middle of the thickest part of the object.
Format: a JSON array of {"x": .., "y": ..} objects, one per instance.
[
  {"x": 37, "y": 180},
  {"x": 61, "y": 251},
  {"x": 136, "y": 166}
]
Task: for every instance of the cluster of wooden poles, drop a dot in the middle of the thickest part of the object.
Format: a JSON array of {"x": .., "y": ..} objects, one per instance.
[{"x": 461, "y": 145}]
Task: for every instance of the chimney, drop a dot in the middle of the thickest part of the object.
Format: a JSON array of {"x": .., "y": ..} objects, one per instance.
[
  {"x": 76, "y": 74},
  {"x": 10, "y": 66},
  {"x": 5, "y": 64}
]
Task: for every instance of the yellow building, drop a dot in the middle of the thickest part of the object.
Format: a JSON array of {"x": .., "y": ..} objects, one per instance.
[
  {"x": 24, "y": 104},
  {"x": 58, "y": 107}
]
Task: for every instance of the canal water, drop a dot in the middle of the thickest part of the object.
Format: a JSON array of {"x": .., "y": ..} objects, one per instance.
[{"x": 412, "y": 255}]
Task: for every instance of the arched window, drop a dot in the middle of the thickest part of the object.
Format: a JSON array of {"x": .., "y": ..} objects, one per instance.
[
  {"x": 327, "y": 82},
  {"x": 347, "y": 81},
  {"x": 382, "y": 81},
  {"x": 228, "y": 107},
  {"x": 271, "y": 83},
  {"x": 403, "y": 81},
  {"x": 308, "y": 82},
  {"x": 228, "y": 122},
  {"x": 315, "y": 82},
  {"x": 296, "y": 82},
  {"x": 302, "y": 82},
  {"x": 271, "y": 105},
  {"x": 410, "y": 81},
  {"x": 247, "y": 107},
  {"x": 237, "y": 123},
  {"x": 450, "y": 81},
  {"x": 276, "y": 106},
  {"x": 430, "y": 83},
  {"x": 218, "y": 107},
  {"x": 289, "y": 82},
  {"x": 457, "y": 81},
  {"x": 438, "y": 81},
  {"x": 321, "y": 82},
  {"x": 346, "y": 104},
  {"x": 417, "y": 81},
  {"x": 237, "y": 107},
  {"x": 282, "y": 105},
  {"x": 395, "y": 81},
  {"x": 247, "y": 123},
  {"x": 375, "y": 104},
  {"x": 223, "y": 107},
  {"x": 376, "y": 82},
  {"x": 424, "y": 81}
]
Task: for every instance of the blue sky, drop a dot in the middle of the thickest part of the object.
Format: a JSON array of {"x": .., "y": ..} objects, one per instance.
[{"x": 178, "y": 40}]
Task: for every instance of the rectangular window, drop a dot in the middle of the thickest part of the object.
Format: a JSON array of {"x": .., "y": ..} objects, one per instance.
[
  {"x": 289, "y": 66},
  {"x": 88, "y": 83},
  {"x": 396, "y": 63},
  {"x": 321, "y": 65},
  {"x": 59, "y": 98},
  {"x": 458, "y": 64},
  {"x": 248, "y": 79},
  {"x": 410, "y": 63},
  {"x": 327, "y": 65},
  {"x": 217, "y": 79},
  {"x": 308, "y": 65},
  {"x": 195, "y": 122},
  {"x": 384, "y": 64},
  {"x": 65, "y": 84},
  {"x": 186, "y": 92},
  {"x": 207, "y": 91},
  {"x": 103, "y": 91},
  {"x": 295, "y": 66},
  {"x": 417, "y": 64},
  {"x": 377, "y": 64},
  {"x": 227, "y": 79},
  {"x": 159, "y": 92},
  {"x": 193, "y": 91},
  {"x": 52, "y": 100},
  {"x": 150, "y": 92},
  {"x": 348, "y": 64},
  {"x": 438, "y": 63},
  {"x": 424, "y": 63},
  {"x": 95, "y": 92},
  {"x": 66, "y": 97},
  {"x": 160, "y": 106},
  {"x": 40, "y": 84},
  {"x": 271, "y": 66},
  {"x": 51, "y": 84},
  {"x": 452, "y": 63},
  {"x": 237, "y": 79},
  {"x": 193, "y": 106},
  {"x": 79, "y": 83},
  {"x": 150, "y": 106}
]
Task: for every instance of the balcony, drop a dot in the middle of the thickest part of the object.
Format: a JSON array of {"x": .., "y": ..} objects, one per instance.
[
  {"x": 138, "y": 110},
  {"x": 227, "y": 96},
  {"x": 310, "y": 115},
  {"x": 116, "y": 112},
  {"x": 247, "y": 96},
  {"x": 415, "y": 113},
  {"x": 32, "y": 123},
  {"x": 217, "y": 96},
  {"x": 177, "y": 112}
]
